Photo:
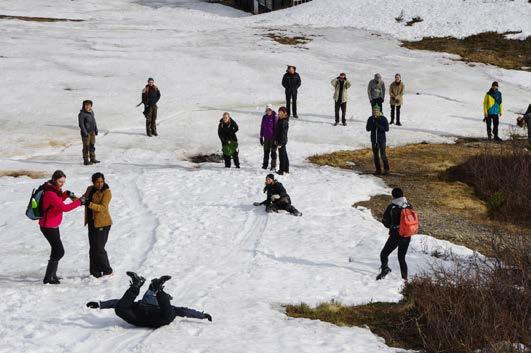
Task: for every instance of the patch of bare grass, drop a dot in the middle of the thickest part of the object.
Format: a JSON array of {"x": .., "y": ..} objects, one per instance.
[
  {"x": 38, "y": 19},
  {"x": 285, "y": 39},
  {"x": 206, "y": 158},
  {"x": 22, "y": 173},
  {"x": 489, "y": 48}
]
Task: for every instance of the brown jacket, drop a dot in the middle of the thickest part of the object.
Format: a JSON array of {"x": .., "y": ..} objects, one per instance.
[
  {"x": 396, "y": 91},
  {"x": 99, "y": 206}
]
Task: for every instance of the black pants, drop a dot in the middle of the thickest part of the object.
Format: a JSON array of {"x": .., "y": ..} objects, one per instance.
[
  {"x": 492, "y": 118},
  {"x": 291, "y": 97},
  {"x": 396, "y": 241},
  {"x": 270, "y": 148},
  {"x": 283, "y": 204},
  {"x": 54, "y": 238},
  {"x": 378, "y": 102},
  {"x": 343, "y": 107},
  {"x": 283, "y": 159},
  {"x": 142, "y": 315},
  {"x": 393, "y": 107},
  {"x": 99, "y": 261},
  {"x": 234, "y": 157},
  {"x": 378, "y": 150}
]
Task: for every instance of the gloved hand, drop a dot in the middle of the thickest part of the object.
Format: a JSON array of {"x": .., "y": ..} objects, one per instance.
[
  {"x": 257, "y": 204},
  {"x": 275, "y": 197},
  {"x": 84, "y": 201},
  {"x": 93, "y": 305},
  {"x": 208, "y": 317},
  {"x": 70, "y": 194},
  {"x": 96, "y": 133},
  {"x": 262, "y": 141}
]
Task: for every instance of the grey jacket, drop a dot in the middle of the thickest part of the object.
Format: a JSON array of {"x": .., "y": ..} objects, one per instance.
[
  {"x": 87, "y": 123},
  {"x": 376, "y": 89}
]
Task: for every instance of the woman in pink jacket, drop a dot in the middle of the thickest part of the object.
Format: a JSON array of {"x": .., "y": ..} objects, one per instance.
[{"x": 53, "y": 207}]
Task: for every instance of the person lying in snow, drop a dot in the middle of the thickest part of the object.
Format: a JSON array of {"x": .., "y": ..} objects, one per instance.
[
  {"x": 154, "y": 310},
  {"x": 277, "y": 197}
]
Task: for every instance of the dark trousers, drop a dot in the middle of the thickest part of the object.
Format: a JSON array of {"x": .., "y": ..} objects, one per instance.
[
  {"x": 282, "y": 204},
  {"x": 151, "y": 120},
  {"x": 99, "y": 261},
  {"x": 378, "y": 102},
  {"x": 393, "y": 107},
  {"x": 396, "y": 241},
  {"x": 270, "y": 148},
  {"x": 291, "y": 98},
  {"x": 378, "y": 150},
  {"x": 89, "y": 149},
  {"x": 490, "y": 120},
  {"x": 235, "y": 157},
  {"x": 283, "y": 159},
  {"x": 138, "y": 314},
  {"x": 54, "y": 238},
  {"x": 343, "y": 107}
]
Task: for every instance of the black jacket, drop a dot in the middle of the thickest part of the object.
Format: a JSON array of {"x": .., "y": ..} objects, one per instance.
[
  {"x": 391, "y": 218},
  {"x": 276, "y": 188},
  {"x": 291, "y": 82},
  {"x": 227, "y": 132},
  {"x": 378, "y": 128},
  {"x": 150, "y": 95},
  {"x": 281, "y": 133}
]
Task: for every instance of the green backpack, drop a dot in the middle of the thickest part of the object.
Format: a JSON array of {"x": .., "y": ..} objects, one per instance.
[{"x": 230, "y": 148}]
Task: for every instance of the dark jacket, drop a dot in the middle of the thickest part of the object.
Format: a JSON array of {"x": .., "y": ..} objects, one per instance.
[
  {"x": 227, "y": 132},
  {"x": 281, "y": 135},
  {"x": 291, "y": 82},
  {"x": 87, "y": 122},
  {"x": 391, "y": 217},
  {"x": 268, "y": 126},
  {"x": 150, "y": 95},
  {"x": 378, "y": 128},
  {"x": 276, "y": 188}
]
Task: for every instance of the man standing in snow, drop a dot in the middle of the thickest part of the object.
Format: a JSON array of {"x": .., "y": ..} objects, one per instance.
[
  {"x": 377, "y": 124},
  {"x": 150, "y": 97},
  {"x": 291, "y": 83},
  {"x": 89, "y": 131},
  {"x": 154, "y": 310},
  {"x": 341, "y": 85},
  {"x": 277, "y": 197},
  {"x": 396, "y": 93},
  {"x": 376, "y": 91},
  {"x": 281, "y": 140},
  {"x": 267, "y": 137},
  {"x": 493, "y": 110},
  {"x": 391, "y": 220}
]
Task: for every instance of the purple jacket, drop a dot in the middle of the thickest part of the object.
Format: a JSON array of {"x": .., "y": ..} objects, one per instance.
[{"x": 269, "y": 125}]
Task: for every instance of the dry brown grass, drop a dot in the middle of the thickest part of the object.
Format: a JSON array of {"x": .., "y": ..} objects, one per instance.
[
  {"x": 448, "y": 210},
  {"x": 38, "y": 19},
  {"x": 20, "y": 173},
  {"x": 489, "y": 48},
  {"x": 288, "y": 40}
]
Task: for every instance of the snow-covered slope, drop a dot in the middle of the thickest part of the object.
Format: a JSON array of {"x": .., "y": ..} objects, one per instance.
[{"x": 197, "y": 223}]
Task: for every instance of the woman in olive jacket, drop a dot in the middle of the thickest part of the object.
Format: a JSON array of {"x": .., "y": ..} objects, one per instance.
[{"x": 99, "y": 222}]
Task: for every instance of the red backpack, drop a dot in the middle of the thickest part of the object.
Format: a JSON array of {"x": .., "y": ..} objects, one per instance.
[{"x": 409, "y": 223}]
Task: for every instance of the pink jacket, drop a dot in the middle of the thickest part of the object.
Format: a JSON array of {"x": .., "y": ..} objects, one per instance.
[{"x": 53, "y": 206}]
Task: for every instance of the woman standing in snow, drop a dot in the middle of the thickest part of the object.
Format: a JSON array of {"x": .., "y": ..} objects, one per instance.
[
  {"x": 396, "y": 92},
  {"x": 97, "y": 217},
  {"x": 282, "y": 139},
  {"x": 53, "y": 207},
  {"x": 227, "y": 129}
]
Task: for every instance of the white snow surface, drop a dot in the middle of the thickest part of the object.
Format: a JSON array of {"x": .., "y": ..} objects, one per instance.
[{"x": 196, "y": 222}]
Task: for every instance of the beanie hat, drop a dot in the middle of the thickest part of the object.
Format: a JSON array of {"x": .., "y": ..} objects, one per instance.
[
  {"x": 397, "y": 192},
  {"x": 269, "y": 106},
  {"x": 270, "y": 176},
  {"x": 283, "y": 109},
  {"x": 87, "y": 101},
  {"x": 495, "y": 83},
  {"x": 376, "y": 107},
  {"x": 150, "y": 79}
]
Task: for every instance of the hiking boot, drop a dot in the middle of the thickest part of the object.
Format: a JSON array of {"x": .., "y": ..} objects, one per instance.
[
  {"x": 489, "y": 138},
  {"x": 398, "y": 123},
  {"x": 264, "y": 167},
  {"x": 344, "y": 124},
  {"x": 297, "y": 213},
  {"x": 392, "y": 122},
  {"x": 155, "y": 134},
  {"x": 86, "y": 162},
  {"x": 385, "y": 271},
  {"x": 207, "y": 316},
  {"x": 496, "y": 138},
  {"x": 158, "y": 283},
  {"x": 50, "y": 276},
  {"x": 280, "y": 172},
  {"x": 94, "y": 161},
  {"x": 386, "y": 172},
  {"x": 296, "y": 116},
  {"x": 136, "y": 280},
  {"x": 377, "y": 172},
  {"x": 336, "y": 123}
]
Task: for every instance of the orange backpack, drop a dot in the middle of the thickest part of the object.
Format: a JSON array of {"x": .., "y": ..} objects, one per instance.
[{"x": 409, "y": 223}]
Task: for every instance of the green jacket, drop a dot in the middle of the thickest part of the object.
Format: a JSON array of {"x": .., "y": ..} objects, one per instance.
[{"x": 346, "y": 86}]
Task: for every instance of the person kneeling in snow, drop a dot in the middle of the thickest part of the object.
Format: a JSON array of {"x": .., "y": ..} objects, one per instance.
[
  {"x": 154, "y": 310},
  {"x": 277, "y": 197}
]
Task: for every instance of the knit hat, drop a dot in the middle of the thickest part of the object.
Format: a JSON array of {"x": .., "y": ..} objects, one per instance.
[
  {"x": 151, "y": 79},
  {"x": 495, "y": 83},
  {"x": 270, "y": 176},
  {"x": 397, "y": 192},
  {"x": 283, "y": 109},
  {"x": 376, "y": 107},
  {"x": 269, "y": 106}
]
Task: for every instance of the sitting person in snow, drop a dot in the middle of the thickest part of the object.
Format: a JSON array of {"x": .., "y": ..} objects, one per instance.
[
  {"x": 277, "y": 197},
  {"x": 154, "y": 310}
]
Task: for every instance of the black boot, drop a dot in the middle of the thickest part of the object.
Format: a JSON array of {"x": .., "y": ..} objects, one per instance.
[
  {"x": 158, "y": 283},
  {"x": 136, "y": 280},
  {"x": 94, "y": 161},
  {"x": 385, "y": 271},
  {"x": 51, "y": 273}
]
